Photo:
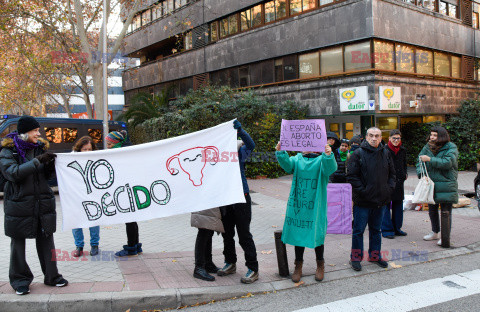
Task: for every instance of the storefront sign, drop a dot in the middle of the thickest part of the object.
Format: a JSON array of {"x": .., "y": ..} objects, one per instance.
[
  {"x": 353, "y": 99},
  {"x": 390, "y": 98}
]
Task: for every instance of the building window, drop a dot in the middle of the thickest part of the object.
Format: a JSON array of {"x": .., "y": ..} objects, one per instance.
[
  {"x": 169, "y": 6},
  {"x": 452, "y": 10},
  {"x": 427, "y": 4},
  {"x": 232, "y": 24},
  {"x": 54, "y": 135},
  {"x": 270, "y": 12},
  {"x": 146, "y": 17},
  {"x": 427, "y": 119},
  {"x": 309, "y": 65},
  {"x": 244, "y": 76},
  {"x": 295, "y": 7},
  {"x": 335, "y": 127},
  {"x": 442, "y": 64},
  {"x": 251, "y": 18},
  {"x": 348, "y": 130},
  {"x": 358, "y": 56},
  {"x": 456, "y": 63},
  {"x": 409, "y": 1},
  {"x": 331, "y": 61},
  {"x": 325, "y": 2},
  {"x": 157, "y": 11},
  {"x": 442, "y": 7},
  {"x": 213, "y": 32},
  {"x": 278, "y": 70},
  {"x": 384, "y": 55},
  {"x": 308, "y": 5},
  {"x": 404, "y": 58},
  {"x": 475, "y": 20},
  {"x": 96, "y": 135},
  {"x": 424, "y": 61},
  {"x": 290, "y": 67},
  {"x": 280, "y": 8},
  {"x": 188, "y": 41}
]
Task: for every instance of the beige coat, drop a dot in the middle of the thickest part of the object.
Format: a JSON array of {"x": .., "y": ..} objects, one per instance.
[{"x": 210, "y": 219}]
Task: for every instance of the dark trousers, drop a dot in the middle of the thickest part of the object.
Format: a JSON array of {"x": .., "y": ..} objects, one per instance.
[
  {"x": 203, "y": 248},
  {"x": 20, "y": 274},
  {"x": 392, "y": 223},
  {"x": 361, "y": 217},
  {"x": 300, "y": 250},
  {"x": 132, "y": 234},
  {"x": 239, "y": 216},
  {"x": 434, "y": 218}
]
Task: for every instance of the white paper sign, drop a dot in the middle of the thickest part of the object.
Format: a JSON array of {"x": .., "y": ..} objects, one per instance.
[
  {"x": 189, "y": 173},
  {"x": 353, "y": 99},
  {"x": 390, "y": 98}
]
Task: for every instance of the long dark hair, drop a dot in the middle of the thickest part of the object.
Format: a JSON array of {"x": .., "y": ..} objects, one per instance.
[
  {"x": 82, "y": 142},
  {"x": 442, "y": 138}
]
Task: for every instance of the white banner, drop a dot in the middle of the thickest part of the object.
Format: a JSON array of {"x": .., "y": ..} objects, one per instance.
[{"x": 189, "y": 173}]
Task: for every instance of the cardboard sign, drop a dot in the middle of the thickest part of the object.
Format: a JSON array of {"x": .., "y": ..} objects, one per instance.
[{"x": 303, "y": 135}]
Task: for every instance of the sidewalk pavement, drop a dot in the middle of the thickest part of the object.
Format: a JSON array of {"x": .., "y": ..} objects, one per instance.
[{"x": 161, "y": 277}]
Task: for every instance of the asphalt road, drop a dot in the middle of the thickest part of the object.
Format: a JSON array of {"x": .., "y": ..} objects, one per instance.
[{"x": 339, "y": 290}]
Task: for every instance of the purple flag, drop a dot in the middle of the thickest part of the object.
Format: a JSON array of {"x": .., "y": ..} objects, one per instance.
[
  {"x": 303, "y": 135},
  {"x": 339, "y": 208}
]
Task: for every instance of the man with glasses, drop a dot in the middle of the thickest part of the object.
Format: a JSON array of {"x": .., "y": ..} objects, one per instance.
[
  {"x": 392, "y": 223},
  {"x": 372, "y": 175}
]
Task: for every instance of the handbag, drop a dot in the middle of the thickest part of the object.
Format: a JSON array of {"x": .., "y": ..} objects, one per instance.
[{"x": 424, "y": 191}]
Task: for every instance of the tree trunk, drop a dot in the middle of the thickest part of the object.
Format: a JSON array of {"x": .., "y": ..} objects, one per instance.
[{"x": 97, "y": 77}]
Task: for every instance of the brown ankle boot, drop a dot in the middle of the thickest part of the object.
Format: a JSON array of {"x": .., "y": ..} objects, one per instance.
[
  {"x": 320, "y": 273},
  {"x": 297, "y": 273}
]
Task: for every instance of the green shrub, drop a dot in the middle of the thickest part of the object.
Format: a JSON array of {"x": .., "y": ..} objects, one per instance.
[
  {"x": 463, "y": 129},
  {"x": 211, "y": 106}
]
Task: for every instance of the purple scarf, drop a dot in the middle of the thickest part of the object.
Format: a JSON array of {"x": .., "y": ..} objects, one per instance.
[{"x": 21, "y": 145}]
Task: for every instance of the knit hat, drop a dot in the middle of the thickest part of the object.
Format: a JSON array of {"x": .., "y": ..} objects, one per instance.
[
  {"x": 27, "y": 123},
  {"x": 116, "y": 136}
]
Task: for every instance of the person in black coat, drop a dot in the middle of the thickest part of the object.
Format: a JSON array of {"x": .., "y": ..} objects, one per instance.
[
  {"x": 392, "y": 223},
  {"x": 29, "y": 203},
  {"x": 341, "y": 156},
  {"x": 372, "y": 176},
  {"x": 334, "y": 142}
]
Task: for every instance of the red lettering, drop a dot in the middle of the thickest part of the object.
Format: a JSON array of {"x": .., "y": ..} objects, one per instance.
[
  {"x": 234, "y": 156},
  {"x": 365, "y": 58},
  {"x": 56, "y": 254},
  {"x": 385, "y": 57},
  {"x": 224, "y": 157},
  {"x": 356, "y": 57}
]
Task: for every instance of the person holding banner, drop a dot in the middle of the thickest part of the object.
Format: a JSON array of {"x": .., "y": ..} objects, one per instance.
[
  {"x": 29, "y": 203},
  {"x": 85, "y": 144},
  {"x": 306, "y": 216},
  {"x": 239, "y": 216},
  {"x": 118, "y": 139}
]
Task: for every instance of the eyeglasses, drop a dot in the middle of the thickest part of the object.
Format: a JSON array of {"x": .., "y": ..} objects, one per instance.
[{"x": 396, "y": 139}]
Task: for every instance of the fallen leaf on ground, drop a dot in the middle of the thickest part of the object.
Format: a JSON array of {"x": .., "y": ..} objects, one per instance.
[
  {"x": 332, "y": 265},
  {"x": 299, "y": 283},
  {"x": 395, "y": 266},
  {"x": 274, "y": 226},
  {"x": 248, "y": 295},
  {"x": 266, "y": 252},
  {"x": 174, "y": 260}
]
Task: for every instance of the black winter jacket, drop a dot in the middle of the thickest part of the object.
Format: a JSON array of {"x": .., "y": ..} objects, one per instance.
[
  {"x": 339, "y": 176},
  {"x": 400, "y": 164},
  {"x": 371, "y": 173},
  {"x": 29, "y": 202}
]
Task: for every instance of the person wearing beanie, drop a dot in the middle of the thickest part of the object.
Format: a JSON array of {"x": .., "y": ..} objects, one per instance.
[
  {"x": 355, "y": 142},
  {"x": 118, "y": 139},
  {"x": 27, "y": 166}
]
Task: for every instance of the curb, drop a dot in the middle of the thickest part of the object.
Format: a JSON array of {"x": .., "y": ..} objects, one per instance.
[{"x": 173, "y": 298}]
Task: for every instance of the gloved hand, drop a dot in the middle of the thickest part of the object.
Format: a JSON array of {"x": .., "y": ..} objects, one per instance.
[
  {"x": 46, "y": 157},
  {"x": 237, "y": 125}
]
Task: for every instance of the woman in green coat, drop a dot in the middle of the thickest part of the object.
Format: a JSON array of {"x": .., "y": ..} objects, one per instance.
[
  {"x": 441, "y": 159},
  {"x": 306, "y": 216}
]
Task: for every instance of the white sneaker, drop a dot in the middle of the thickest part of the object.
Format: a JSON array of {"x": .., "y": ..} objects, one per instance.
[
  {"x": 431, "y": 236},
  {"x": 439, "y": 243}
]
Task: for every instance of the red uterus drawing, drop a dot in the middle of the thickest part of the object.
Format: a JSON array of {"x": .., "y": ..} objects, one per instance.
[{"x": 192, "y": 161}]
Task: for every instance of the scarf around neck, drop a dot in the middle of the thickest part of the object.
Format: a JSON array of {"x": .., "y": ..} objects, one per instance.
[
  {"x": 343, "y": 155},
  {"x": 21, "y": 145},
  {"x": 394, "y": 148}
]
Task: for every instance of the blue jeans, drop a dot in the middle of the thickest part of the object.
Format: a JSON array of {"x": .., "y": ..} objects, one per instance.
[
  {"x": 393, "y": 223},
  {"x": 361, "y": 217},
  {"x": 94, "y": 236}
]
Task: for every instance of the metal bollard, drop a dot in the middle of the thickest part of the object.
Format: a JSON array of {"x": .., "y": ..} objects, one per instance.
[
  {"x": 445, "y": 228},
  {"x": 281, "y": 254}
]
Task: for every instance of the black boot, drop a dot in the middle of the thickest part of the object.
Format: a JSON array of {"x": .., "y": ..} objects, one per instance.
[{"x": 200, "y": 273}]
